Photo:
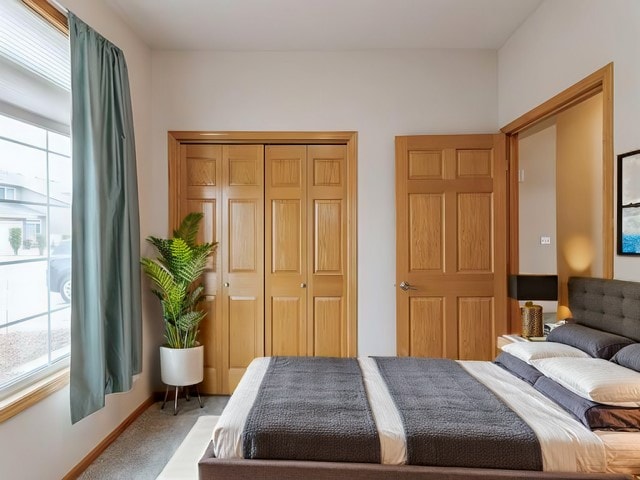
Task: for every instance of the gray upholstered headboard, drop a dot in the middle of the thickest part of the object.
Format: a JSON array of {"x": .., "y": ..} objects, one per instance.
[{"x": 609, "y": 305}]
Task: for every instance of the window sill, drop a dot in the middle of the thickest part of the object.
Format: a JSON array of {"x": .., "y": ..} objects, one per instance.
[{"x": 32, "y": 394}]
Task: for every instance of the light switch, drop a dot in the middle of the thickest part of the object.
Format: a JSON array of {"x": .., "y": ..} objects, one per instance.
[{"x": 545, "y": 240}]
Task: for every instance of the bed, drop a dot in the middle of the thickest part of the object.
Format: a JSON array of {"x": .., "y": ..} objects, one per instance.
[{"x": 543, "y": 440}]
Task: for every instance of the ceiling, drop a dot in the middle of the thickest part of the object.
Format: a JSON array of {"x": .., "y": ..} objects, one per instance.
[{"x": 323, "y": 24}]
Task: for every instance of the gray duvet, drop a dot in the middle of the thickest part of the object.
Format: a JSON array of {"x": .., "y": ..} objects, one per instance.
[
  {"x": 451, "y": 419},
  {"x": 312, "y": 408}
]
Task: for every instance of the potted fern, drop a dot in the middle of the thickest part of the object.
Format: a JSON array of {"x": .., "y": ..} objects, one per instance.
[{"x": 175, "y": 276}]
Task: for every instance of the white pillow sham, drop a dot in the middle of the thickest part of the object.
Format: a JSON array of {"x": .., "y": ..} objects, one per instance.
[
  {"x": 594, "y": 379},
  {"x": 527, "y": 351}
]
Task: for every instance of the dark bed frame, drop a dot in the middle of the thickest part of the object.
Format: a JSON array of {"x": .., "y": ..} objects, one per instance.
[{"x": 609, "y": 305}]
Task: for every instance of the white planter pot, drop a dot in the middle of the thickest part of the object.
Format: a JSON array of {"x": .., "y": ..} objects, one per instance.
[{"x": 182, "y": 366}]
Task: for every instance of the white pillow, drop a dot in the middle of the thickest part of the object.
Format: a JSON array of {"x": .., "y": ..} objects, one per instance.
[
  {"x": 594, "y": 379},
  {"x": 527, "y": 351}
]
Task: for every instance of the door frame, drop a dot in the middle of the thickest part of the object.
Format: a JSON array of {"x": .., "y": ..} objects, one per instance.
[
  {"x": 348, "y": 138},
  {"x": 600, "y": 81}
]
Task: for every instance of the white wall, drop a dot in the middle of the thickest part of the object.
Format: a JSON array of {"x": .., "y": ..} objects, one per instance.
[
  {"x": 563, "y": 42},
  {"x": 380, "y": 94},
  {"x": 537, "y": 198},
  {"x": 40, "y": 442}
]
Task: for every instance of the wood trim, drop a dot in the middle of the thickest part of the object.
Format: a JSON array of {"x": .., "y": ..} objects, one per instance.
[
  {"x": 585, "y": 88},
  {"x": 402, "y": 322},
  {"x": 33, "y": 394},
  {"x": 599, "y": 81},
  {"x": 513, "y": 264},
  {"x": 174, "y": 182},
  {"x": 50, "y": 13},
  {"x": 352, "y": 244},
  {"x": 108, "y": 440},
  {"x": 263, "y": 137},
  {"x": 348, "y": 138},
  {"x": 607, "y": 171},
  {"x": 501, "y": 219}
]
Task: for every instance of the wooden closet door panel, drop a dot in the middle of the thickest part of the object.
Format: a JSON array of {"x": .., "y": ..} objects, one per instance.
[
  {"x": 201, "y": 180},
  {"x": 242, "y": 260},
  {"x": 327, "y": 240},
  {"x": 286, "y": 250}
]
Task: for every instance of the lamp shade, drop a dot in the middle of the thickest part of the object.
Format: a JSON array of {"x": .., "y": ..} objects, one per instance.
[{"x": 533, "y": 287}]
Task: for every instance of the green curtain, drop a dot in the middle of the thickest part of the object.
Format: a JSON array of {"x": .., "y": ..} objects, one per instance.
[{"x": 106, "y": 326}]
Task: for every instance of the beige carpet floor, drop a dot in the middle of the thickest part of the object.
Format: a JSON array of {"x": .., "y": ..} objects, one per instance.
[
  {"x": 143, "y": 449},
  {"x": 184, "y": 463}
]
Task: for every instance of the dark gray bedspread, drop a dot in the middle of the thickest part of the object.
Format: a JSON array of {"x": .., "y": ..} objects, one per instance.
[
  {"x": 451, "y": 419},
  {"x": 312, "y": 408}
]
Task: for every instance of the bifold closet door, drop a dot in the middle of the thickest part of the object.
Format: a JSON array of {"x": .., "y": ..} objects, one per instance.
[
  {"x": 226, "y": 184},
  {"x": 306, "y": 250},
  {"x": 242, "y": 260},
  {"x": 201, "y": 191},
  {"x": 286, "y": 246}
]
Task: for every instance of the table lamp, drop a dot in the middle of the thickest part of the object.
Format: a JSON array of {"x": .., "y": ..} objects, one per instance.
[{"x": 532, "y": 287}]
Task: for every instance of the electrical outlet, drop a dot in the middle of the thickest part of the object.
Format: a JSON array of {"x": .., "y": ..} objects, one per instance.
[{"x": 545, "y": 240}]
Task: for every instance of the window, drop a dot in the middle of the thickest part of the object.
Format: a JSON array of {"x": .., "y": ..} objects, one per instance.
[
  {"x": 7, "y": 193},
  {"x": 35, "y": 255},
  {"x": 35, "y": 199}
]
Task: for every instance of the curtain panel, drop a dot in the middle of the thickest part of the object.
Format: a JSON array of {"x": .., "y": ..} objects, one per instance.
[{"x": 106, "y": 326}]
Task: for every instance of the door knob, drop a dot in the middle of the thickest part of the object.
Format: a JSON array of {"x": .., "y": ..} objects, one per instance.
[
  {"x": 303, "y": 285},
  {"x": 226, "y": 284},
  {"x": 407, "y": 286}
]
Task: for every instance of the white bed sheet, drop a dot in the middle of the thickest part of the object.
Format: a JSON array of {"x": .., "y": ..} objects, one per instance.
[
  {"x": 566, "y": 444},
  {"x": 227, "y": 434}
]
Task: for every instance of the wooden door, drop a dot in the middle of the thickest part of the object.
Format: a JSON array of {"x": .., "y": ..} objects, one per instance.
[
  {"x": 242, "y": 260},
  {"x": 306, "y": 244},
  {"x": 450, "y": 245},
  {"x": 201, "y": 183},
  {"x": 225, "y": 183},
  {"x": 327, "y": 260},
  {"x": 286, "y": 250}
]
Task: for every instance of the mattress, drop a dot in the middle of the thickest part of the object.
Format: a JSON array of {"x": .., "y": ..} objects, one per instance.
[{"x": 565, "y": 443}]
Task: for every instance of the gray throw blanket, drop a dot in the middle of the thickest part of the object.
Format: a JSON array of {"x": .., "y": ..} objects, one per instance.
[
  {"x": 451, "y": 419},
  {"x": 312, "y": 408}
]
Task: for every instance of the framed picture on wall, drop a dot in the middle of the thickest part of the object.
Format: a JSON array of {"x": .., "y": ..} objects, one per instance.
[{"x": 629, "y": 203}]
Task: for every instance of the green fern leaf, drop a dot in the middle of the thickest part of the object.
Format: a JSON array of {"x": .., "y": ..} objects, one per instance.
[
  {"x": 163, "y": 246},
  {"x": 190, "y": 320},
  {"x": 188, "y": 229},
  {"x": 181, "y": 260}
]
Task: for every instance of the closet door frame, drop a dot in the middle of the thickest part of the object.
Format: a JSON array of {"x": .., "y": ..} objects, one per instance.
[{"x": 348, "y": 138}]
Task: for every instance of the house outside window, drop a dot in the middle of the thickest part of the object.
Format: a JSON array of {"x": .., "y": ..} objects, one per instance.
[{"x": 35, "y": 199}]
